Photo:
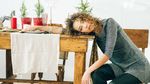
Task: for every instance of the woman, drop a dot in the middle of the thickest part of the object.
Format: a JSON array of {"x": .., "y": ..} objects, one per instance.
[{"x": 129, "y": 66}]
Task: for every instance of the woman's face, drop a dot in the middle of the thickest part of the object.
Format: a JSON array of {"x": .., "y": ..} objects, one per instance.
[{"x": 84, "y": 26}]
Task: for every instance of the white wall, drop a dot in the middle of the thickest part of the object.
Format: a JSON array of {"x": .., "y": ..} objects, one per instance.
[{"x": 129, "y": 13}]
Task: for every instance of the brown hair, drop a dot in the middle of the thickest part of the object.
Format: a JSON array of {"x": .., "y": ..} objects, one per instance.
[
  {"x": 72, "y": 31},
  {"x": 83, "y": 17}
]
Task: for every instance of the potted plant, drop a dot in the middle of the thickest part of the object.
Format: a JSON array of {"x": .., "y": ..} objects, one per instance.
[
  {"x": 39, "y": 10},
  {"x": 24, "y": 19},
  {"x": 84, "y": 7}
]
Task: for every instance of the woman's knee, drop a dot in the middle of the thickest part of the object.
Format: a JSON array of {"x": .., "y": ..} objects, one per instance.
[
  {"x": 126, "y": 79},
  {"x": 111, "y": 82},
  {"x": 97, "y": 79},
  {"x": 98, "y": 73},
  {"x": 103, "y": 72},
  {"x": 95, "y": 75}
]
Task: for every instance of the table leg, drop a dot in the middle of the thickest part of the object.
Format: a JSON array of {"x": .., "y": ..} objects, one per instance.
[
  {"x": 79, "y": 67},
  {"x": 9, "y": 71}
]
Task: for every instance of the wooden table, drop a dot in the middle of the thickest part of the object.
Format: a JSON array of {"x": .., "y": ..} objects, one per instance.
[{"x": 77, "y": 44}]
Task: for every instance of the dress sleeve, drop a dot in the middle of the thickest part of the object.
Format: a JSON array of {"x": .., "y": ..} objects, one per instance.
[{"x": 111, "y": 36}]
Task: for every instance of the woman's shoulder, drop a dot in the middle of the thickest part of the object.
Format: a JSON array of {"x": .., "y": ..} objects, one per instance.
[{"x": 108, "y": 20}]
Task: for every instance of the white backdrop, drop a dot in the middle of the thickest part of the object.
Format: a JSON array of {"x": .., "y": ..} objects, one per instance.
[{"x": 129, "y": 13}]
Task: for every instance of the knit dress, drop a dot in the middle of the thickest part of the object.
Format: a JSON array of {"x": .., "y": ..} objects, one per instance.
[{"x": 123, "y": 53}]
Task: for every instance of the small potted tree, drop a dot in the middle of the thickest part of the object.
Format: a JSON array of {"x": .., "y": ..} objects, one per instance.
[
  {"x": 24, "y": 19},
  {"x": 84, "y": 7},
  {"x": 39, "y": 10}
]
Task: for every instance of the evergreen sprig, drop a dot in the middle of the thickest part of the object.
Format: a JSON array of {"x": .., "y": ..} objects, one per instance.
[
  {"x": 39, "y": 8},
  {"x": 23, "y": 10},
  {"x": 84, "y": 7}
]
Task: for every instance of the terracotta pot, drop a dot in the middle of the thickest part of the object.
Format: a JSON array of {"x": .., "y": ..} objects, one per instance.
[
  {"x": 26, "y": 20},
  {"x": 37, "y": 21}
]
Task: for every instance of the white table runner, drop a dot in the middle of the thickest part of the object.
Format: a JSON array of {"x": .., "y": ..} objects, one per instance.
[{"x": 35, "y": 53}]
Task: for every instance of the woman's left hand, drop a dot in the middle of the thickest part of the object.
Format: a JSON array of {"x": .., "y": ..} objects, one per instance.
[{"x": 86, "y": 78}]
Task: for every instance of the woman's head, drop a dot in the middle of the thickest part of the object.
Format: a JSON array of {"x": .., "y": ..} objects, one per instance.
[{"x": 82, "y": 23}]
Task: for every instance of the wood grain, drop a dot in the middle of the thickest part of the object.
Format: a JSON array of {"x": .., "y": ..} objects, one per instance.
[
  {"x": 138, "y": 36},
  {"x": 73, "y": 44},
  {"x": 79, "y": 67}
]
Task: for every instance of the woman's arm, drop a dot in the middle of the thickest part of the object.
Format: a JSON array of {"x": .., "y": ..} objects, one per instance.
[
  {"x": 98, "y": 63},
  {"x": 87, "y": 74}
]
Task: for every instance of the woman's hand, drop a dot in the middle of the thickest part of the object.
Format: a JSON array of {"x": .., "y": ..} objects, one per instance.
[
  {"x": 86, "y": 78},
  {"x": 87, "y": 74}
]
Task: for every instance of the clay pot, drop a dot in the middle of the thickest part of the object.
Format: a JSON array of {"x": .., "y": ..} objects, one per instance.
[
  {"x": 26, "y": 20},
  {"x": 37, "y": 21}
]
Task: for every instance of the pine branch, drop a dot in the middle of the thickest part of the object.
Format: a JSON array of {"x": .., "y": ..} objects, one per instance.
[
  {"x": 84, "y": 7},
  {"x": 23, "y": 10},
  {"x": 39, "y": 8}
]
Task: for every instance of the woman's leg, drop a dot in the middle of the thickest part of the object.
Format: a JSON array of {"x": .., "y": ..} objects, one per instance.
[
  {"x": 125, "y": 78},
  {"x": 102, "y": 74}
]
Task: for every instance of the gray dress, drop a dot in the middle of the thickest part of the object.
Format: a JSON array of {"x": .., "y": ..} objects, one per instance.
[{"x": 123, "y": 53}]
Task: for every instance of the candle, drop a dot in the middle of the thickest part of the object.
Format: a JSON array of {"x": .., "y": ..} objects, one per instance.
[{"x": 14, "y": 23}]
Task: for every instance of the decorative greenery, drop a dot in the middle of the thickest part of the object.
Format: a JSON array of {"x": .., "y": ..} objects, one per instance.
[
  {"x": 84, "y": 7},
  {"x": 39, "y": 8},
  {"x": 23, "y": 10}
]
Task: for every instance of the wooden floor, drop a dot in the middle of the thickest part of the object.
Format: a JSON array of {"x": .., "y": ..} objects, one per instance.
[{"x": 9, "y": 81}]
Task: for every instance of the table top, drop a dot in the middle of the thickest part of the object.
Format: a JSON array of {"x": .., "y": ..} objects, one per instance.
[{"x": 62, "y": 35}]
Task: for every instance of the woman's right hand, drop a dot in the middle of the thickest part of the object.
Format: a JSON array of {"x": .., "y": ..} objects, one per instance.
[{"x": 86, "y": 78}]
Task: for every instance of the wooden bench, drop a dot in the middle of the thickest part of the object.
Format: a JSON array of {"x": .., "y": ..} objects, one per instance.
[{"x": 139, "y": 37}]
